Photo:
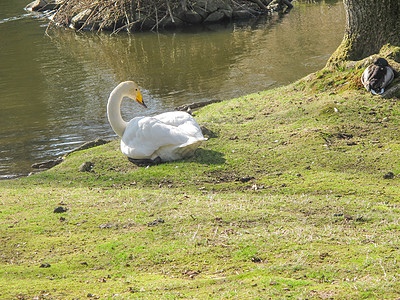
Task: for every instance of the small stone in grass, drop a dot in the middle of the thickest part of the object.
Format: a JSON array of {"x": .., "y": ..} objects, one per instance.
[{"x": 60, "y": 209}]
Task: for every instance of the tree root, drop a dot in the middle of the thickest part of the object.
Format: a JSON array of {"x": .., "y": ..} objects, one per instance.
[{"x": 393, "y": 91}]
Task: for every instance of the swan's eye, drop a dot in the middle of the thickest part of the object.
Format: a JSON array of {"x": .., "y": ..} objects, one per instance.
[{"x": 136, "y": 90}]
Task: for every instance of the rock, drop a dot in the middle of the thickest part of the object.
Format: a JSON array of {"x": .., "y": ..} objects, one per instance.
[
  {"x": 87, "y": 145},
  {"x": 60, "y": 209},
  {"x": 132, "y": 290},
  {"x": 46, "y": 265},
  {"x": 195, "y": 105},
  {"x": 79, "y": 20},
  {"x": 47, "y": 164},
  {"x": 108, "y": 226},
  {"x": 191, "y": 17},
  {"x": 203, "y": 4},
  {"x": 215, "y": 17},
  {"x": 347, "y": 216},
  {"x": 388, "y": 175},
  {"x": 171, "y": 23},
  {"x": 51, "y": 163},
  {"x": 155, "y": 222},
  {"x": 191, "y": 273},
  {"x": 35, "y": 5},
  {"x": 245, "y": 179},
  {"x": 201, "y": 11},
  {"x": 86, "y": 167},
  {"x": 228, "y": 13},
  {"x": 242, "y": 14},
  {"x": 215, "y": 5},
  {"x": 43, "y": 5},
  {"x": 38, "y": 5}
]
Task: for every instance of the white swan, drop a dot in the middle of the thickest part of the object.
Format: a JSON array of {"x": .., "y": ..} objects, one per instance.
[{"x": 165, "y": 137}]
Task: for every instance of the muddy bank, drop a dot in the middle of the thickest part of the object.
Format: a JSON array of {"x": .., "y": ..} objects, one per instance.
[{"x": 131, "y": 15}]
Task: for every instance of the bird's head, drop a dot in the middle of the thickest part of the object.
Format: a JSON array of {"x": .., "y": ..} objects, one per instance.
[
  {"x": 381, "y": 62},
  {"x": 133, "y": 92}
]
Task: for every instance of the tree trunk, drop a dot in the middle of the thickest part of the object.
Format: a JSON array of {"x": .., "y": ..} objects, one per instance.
[{"x": 370, "y": 24}]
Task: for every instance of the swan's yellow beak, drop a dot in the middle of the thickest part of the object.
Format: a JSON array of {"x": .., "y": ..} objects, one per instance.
[{"x": 139, "y": 98}]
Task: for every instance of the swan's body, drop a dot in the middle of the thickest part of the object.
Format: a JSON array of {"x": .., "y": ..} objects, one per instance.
[
  {"x": 166, "y": 137},
  {"x": 377, "y": 76}
]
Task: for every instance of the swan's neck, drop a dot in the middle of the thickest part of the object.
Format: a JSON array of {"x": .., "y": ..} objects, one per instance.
[{"x": 114, "y": 110}]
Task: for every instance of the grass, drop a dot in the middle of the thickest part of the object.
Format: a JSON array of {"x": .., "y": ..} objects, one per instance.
[{"x": 292, "y": 198}]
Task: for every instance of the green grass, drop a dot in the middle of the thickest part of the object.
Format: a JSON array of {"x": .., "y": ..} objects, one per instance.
[{"x": 288, "y": 201}]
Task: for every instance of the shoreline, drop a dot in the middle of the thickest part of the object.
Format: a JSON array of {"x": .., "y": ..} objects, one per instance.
[{"x": 42, "y": 166}]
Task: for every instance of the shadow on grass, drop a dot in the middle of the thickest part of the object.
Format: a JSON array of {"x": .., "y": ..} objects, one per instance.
[{"x": 202, "y": 156}]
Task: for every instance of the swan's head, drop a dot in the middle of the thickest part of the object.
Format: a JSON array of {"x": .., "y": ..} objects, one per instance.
[{"x": 132, "y": 91}]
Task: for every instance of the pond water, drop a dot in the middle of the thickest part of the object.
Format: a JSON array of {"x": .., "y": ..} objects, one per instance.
[{"x": 54, "y": 89}]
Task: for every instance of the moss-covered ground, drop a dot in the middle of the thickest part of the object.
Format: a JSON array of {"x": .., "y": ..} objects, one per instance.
[{"x": 296, "y": 196}]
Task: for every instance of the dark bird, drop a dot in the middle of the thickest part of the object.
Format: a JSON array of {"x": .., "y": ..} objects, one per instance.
[{"x": 377, "y": 76}]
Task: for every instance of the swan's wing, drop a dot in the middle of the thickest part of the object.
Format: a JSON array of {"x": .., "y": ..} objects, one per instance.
[
  {"x": 182, "y": 120},
  {"x": 144, "y": 136},
  {"x": 174, "y": 118}
]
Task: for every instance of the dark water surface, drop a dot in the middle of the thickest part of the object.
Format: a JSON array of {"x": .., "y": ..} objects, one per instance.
[{"x": 54, "y": 90}]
